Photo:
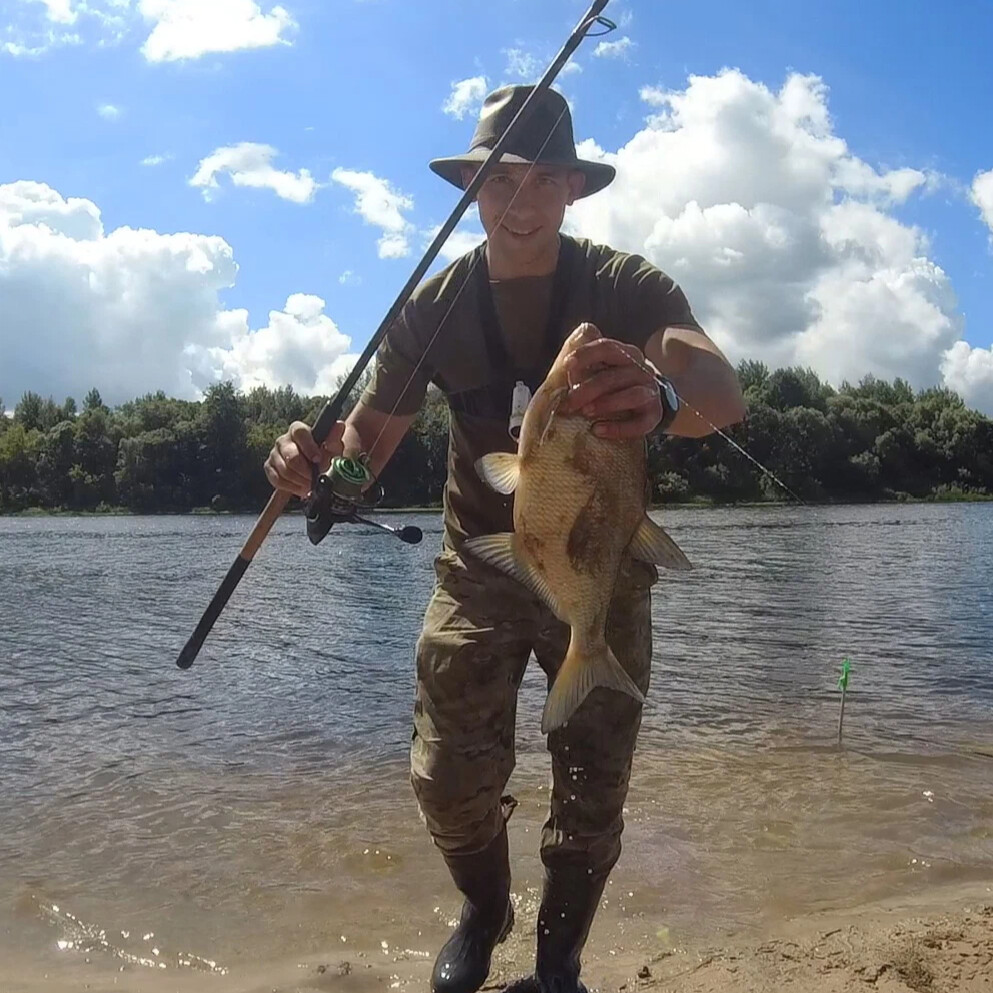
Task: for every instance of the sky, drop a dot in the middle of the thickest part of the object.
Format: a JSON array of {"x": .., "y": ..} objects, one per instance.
[{"x": 200, "y": 190}]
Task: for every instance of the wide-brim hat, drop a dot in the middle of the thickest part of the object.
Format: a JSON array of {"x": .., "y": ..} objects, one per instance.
[{"x": 544, "y": 137}]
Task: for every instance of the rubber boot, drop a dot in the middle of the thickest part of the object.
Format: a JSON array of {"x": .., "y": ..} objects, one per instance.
[
  {"x": 487, "y": 917},
  {"x": 569, "y": 903}
]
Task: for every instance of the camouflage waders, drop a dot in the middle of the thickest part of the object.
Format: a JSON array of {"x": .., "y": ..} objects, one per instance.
[{"x": 479, "y": 630}]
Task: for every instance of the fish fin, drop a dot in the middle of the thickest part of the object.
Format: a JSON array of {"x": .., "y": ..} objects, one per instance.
[
  {"x": 499, "y": 551},
  {"x": 582, "y": 671},
  {"x": 501, "y": 470},
  {"x": 651, "y": 544},
  {"x": 554, "y": 402}
]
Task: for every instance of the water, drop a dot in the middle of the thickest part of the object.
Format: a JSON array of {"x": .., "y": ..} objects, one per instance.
[{"x": 250, "y": 819}]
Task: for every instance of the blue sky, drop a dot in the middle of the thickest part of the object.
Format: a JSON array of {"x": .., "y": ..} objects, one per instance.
[{"x": 96, "y": 88}]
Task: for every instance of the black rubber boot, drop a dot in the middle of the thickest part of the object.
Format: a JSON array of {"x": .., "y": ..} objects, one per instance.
[
  {"x": 569, "y": 903},
  {"x": 487, "y": 917}
]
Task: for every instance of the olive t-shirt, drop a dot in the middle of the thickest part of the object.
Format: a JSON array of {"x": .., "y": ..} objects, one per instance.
[{"x": 439, "y": 339}]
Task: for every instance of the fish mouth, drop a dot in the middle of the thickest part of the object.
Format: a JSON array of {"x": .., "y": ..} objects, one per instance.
[{"x": 584, "y": 333}]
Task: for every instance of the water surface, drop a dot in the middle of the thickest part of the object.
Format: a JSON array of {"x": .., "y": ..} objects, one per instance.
[{"x": 251, "y": 820}]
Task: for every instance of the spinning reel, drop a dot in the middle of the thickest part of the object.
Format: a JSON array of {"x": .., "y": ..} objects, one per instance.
[{"x": 338, "y": 494}]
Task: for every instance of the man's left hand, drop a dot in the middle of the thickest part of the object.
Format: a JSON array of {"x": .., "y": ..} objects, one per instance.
[{"x": 615, "y": 386}]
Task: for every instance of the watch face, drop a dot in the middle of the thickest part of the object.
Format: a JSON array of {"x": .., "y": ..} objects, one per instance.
[{"x": 671, "y": 398}]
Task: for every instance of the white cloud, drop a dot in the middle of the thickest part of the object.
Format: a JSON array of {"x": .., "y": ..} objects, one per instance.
[
  {"x": 132, "y": 311},
  {"x": 154, "y": 160},
  {"x": 41, "y": 43},
  {"x": 523, "y": 65},
  {"x": 614, "y": 49},
  {"x": 348, "y": 278},
  {"x": 173, "y": 29},
  {"x": 187, "y": 29},
  {"x": 781, "y": 237},
  {"x": 250, "y": 164},
  {"x": 59, "y": 11},
  {"x": 466, "y": 97},
  {"x": 969, "y": 371},
  {"x": 108, "y": 111},
  {"x": 982, "y": 196},
  {"x": 300, "y": 345},
  {"x": 381, "y": 206}
]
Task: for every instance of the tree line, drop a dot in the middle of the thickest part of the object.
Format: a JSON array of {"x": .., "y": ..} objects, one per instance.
[{"x": 876, "y": 440}]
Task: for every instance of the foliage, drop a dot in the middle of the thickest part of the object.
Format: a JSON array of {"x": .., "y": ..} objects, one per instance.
[{"x": 871, "y": 441}]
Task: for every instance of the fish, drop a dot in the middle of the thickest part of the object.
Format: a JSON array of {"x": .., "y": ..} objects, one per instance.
[{"x": 580, "y": 506}]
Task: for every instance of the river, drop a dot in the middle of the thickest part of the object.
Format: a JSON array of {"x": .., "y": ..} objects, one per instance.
[{"x": 250, "y": 819}]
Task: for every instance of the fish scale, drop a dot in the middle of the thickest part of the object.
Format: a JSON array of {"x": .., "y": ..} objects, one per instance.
[{"x": 580, "y": 506}]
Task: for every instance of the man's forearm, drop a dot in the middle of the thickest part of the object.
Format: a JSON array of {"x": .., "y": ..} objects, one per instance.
[{"x": 702, "y": 376}]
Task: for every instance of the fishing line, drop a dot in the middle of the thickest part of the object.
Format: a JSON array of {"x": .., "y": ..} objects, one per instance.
[
  {"x": 465, "y": 283},
  {"x": 732, "y": 442}
]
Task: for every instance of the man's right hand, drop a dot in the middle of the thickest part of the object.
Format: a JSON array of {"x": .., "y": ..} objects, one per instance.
[{"x": 289, "y": 465}]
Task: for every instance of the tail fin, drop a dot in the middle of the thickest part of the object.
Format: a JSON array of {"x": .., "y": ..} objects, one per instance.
[{"x": 584, "y": 668}]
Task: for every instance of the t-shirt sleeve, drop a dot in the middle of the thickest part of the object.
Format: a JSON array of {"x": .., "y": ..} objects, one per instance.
[
  {"x": 650, "y": 300},
  {"x": 402, "y": 372}
]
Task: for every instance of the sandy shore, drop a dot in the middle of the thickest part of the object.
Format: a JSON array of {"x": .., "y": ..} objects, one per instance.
[{"x": 938, "y": 943}]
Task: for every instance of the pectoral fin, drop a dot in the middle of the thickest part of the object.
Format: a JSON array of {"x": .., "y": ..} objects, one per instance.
[
  {"x": 651, "y": 544},
  {"x": 501, "y": 470},
  {"x": 500, "y": 551}
]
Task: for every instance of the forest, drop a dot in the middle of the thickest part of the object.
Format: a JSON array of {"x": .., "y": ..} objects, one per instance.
[{"x": 874, "y": 441}]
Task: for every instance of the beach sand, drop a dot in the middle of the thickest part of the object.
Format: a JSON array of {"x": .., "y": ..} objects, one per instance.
[{"x": 938, "y": 943}]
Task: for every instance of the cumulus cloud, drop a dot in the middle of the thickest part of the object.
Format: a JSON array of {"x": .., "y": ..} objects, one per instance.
[
  {"x": 59, "y": 11},
  {"x": 380, "y": 205},
  {"x": 250, "y": 164},
  {"x": 300, "y": 345},
  {"x": 172, "y": 29},
  {"x": 187, "y": 29},
  {"x": 132, "y": 311},
  {"x": 108, "y": 111},
  {"x": 614, "y": 49},
  {"x": 969, "y": 371},
  {"x": 466, "y": 97},
  {"x": 782, "y": 238},
  {"x": 154, "y": 160},
  {"x": 982, "y": 196}
]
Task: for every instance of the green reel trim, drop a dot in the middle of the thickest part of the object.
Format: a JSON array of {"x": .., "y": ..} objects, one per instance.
[{"x": 350, "y": 470}]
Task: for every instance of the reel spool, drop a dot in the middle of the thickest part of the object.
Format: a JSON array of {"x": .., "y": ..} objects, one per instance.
[{"x": 338, "y": 494}]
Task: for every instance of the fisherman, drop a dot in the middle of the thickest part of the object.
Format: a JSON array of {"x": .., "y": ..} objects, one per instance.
[{"x": 493, "y": 319}]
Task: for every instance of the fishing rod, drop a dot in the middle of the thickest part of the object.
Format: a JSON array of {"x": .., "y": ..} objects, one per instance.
[{"x": 347, "y": 486}]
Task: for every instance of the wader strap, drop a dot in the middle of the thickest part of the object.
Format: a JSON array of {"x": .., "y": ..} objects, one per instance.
[{"x": 492, "y": 400}]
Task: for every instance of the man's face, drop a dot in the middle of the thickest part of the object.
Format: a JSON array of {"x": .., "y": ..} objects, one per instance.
[{"x": 522, "y": 207}]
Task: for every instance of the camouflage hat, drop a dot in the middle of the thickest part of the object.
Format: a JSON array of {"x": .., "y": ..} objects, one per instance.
[{"x": 544, "y": 137}]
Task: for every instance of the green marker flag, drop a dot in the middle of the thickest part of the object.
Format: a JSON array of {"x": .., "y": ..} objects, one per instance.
[{"x": 846, "y": 666}]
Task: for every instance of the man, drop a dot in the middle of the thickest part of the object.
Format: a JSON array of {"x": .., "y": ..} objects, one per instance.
[{"x": 493, "y": 318}]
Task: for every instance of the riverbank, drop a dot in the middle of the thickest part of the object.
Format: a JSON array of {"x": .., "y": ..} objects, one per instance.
[
  {"x": 699, "y": 503},
  {"x": 940, "y": 941}
]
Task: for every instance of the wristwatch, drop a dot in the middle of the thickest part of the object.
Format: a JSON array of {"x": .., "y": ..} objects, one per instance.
[{"x": 670, "y": 403}]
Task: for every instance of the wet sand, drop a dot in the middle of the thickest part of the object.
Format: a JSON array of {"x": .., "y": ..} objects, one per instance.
[{"x": 938, "y": 942}]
